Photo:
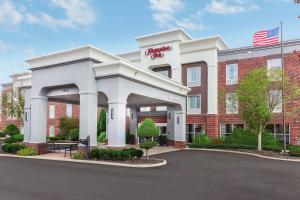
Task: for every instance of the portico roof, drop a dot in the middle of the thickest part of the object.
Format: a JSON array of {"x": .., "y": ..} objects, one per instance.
[{"x": 134, "y": 72}]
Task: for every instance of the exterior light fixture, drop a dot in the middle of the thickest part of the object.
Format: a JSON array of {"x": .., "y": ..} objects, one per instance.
[
  {"x": 112, "y": 113},
  {"x": 178, "y": 120}
]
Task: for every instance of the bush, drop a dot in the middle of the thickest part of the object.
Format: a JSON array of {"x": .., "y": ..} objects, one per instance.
[
  {"x": 218, "y": 141},
  {"x": 247, "y": 137},
  {"x": 78, "y": 156},
  {"x": 66, "y": 124},
  {"x": 148, "y": 144},
  {"x": 222, "y": 146},
  {"x": 74, "y": 134},
  {"x": 130, "y": 138},
  {"x": 102, "y": 137},
  {"x": 101, "y": 124},
  {"x": 60, "y": 137},
  {"x": 162, "y": 140},
  {"x": 11, "y": 130},
  {"x": 14, "y": 138},
  {"x": 294, "y": 150},
  {"x": 52, "y": 138},
  {"x": 28, "y": 151},
  {"x": 116, "y": 154},
  {"x": 201, "y": 139},
  {"x": 2, "y": 134},
  {"x": 275, "y": 148},
  {"x": 12, "y": 148}
]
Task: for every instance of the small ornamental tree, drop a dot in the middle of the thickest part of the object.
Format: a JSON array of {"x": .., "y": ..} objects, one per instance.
[
  {"x": 148, "y": 130},
  {"x": 101, "y": 125},
  {"x": 260, "y": 96}
]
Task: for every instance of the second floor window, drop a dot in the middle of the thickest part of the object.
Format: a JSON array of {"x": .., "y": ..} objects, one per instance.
[
  {"x": 52, "y": 111},
  {"x": 232, "y": 74},
  {"x": 194, "y": 104},
  {"x": 276, "y": 100},
  {"x": 274, "y": 68},
  {"x": 231, "y": 103},
  {"x": 193, "y": 76}
]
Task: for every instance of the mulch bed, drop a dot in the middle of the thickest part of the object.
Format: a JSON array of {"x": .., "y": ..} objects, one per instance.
[{"x": 269, "y": 153}]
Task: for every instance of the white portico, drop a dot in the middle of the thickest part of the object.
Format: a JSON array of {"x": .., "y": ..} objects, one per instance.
[{"x": 92, "y": 77}]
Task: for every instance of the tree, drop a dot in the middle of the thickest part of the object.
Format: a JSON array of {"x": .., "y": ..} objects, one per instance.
[
  {"x": 148, "y": 130},
  {"x": 13, "y": 104},
  {"x": 260, "y": 95},
  {"x": 101, "y": 125}
]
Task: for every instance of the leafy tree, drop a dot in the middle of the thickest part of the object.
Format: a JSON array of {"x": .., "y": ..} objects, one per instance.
[
  {"x": 260, "y": 94},
  {"x": 101, "y": 125},
  {"x": 66, "y": 124},
  {"x": 13, "y": 104},
  {"x": 148, "y": 130}
]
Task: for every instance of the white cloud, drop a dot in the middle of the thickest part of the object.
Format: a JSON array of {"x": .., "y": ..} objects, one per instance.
[
  {"x": 229, "y": 6},
  {"x": 77, "y": 14},
  {"x": 4, "y": 47},
  {"x": 165, "y": 12},
  {"x": 9, "y": 15}
]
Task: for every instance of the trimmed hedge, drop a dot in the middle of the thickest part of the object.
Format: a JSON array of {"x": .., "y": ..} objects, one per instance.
[
  {"x": 116, "y": 154},
  {"x": 14, "y": 138},
  {"x": 201, "y": 139},
  {"x": 294, "y": 150},
  {"x": 2, "y": 134},
  {"x": 11, "y": 130},
  {"x": 12, "y": 148}
]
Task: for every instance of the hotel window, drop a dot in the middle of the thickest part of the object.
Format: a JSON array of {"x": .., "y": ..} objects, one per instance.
[
  {"x": 277, "y": 131},
  {"x": 274, "y": 66},
  {"x": 51, "y": 131},
  {"x": 193, "y": 76},
  {"x": 231, "y": 103},
  {"x": 276, "y": 101},
  {"x": 69, "y": 109},
  {"x": 232, "y": 74},
  {"x": 227, "y": 128},
  {"x": 145, "y": 109},
  {"x": 192, "y": 130},
  {"x": 161, "y": 108},
  {"x": 52, "y": 111},
  {"x": 165, "y": 71},
  {"x": 194, "y": 104}
]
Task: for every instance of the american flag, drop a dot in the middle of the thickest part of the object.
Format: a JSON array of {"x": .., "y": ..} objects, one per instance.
[{"x": 266, "y": 37}]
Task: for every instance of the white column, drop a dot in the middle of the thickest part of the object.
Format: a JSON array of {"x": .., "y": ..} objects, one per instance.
[
  {"x": 116, "y": 124},
  {"x": 27, "y": 114},
  {"x": 212, "y": 89},
  {"x": 88, "y": 117},
  {"x": 179, "y": 126},
  {"x": 133, "y": 122},
  {"x": 170, "y": 124},
  {"x": 38, "y": 121}
]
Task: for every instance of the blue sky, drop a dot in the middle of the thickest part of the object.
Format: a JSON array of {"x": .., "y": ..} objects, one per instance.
[{"x": 33, "y": 27}]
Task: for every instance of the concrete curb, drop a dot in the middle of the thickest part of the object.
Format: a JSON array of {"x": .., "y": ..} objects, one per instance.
[
  {"x": 90, "y": 161},
  {"x": 246, "y": 153}
]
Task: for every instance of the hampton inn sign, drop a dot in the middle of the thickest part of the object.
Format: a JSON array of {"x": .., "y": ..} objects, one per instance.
[{"x": 157, "y": 52}]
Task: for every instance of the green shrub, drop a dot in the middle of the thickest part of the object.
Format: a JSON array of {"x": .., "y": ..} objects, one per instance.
[
  {"x": 78, "y": 156},
  {"x": 52, "y": 138},
  {"x": 101, "y": 124},
  {"x": 18, "y": 137},
  {"x": 116, "y": 154},
  {"x": 162, "y": 140},
  {"x": 61, "y": 137},
  {"x": 74, "y": 134},
  {"x": 102, "y": 137},
  {"x": 28, "y": 151},
  {"x": 201, "y": 139},
  {"x": 275, "y": 148},
  {"x": 294, "y": 150},
  {"x": 130, "y": 138},
  {"x": 12, "y": 148},
  {"x": 148, "y": 144},
  {"x": 66, "y": 124},
  {"x": 9, "y": 140},
  {"x": 11, "y": 130},
  {"x": 222, "y": 146},
  {"x": 2, "y": 134}
]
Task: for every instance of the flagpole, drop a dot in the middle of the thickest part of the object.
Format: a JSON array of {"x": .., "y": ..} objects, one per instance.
[{"x": 282, "y": 85}]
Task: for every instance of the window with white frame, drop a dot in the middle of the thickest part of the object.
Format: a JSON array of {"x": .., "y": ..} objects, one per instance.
[
  {"x": 274, "y": 67},
  {"x": 69, "y": 110},
  {"x": 276, "y": 100},
  {"x": 194, "y": 102},
  {"x": 232, "y": 72},
  {"x": 52, "y": 111},
  {"x": 145, "y": 109},
  {"x": 193, "y": 76},
  {"x": 161, "y": 108},
  {"x": 277, "y": 131},
  {"x": 231, "y": 103},
  {"x": 51, "y": 131}
]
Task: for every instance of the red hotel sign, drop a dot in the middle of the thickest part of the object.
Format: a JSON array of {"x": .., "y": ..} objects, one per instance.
[{"x": 157, "y": 52}]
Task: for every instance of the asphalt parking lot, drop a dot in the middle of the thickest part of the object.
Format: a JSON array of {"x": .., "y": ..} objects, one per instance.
[{"x": 188, "y": 175}]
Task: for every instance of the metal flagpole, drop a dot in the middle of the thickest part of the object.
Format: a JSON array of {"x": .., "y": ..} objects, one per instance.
[{"x": 282, "y": 85}]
